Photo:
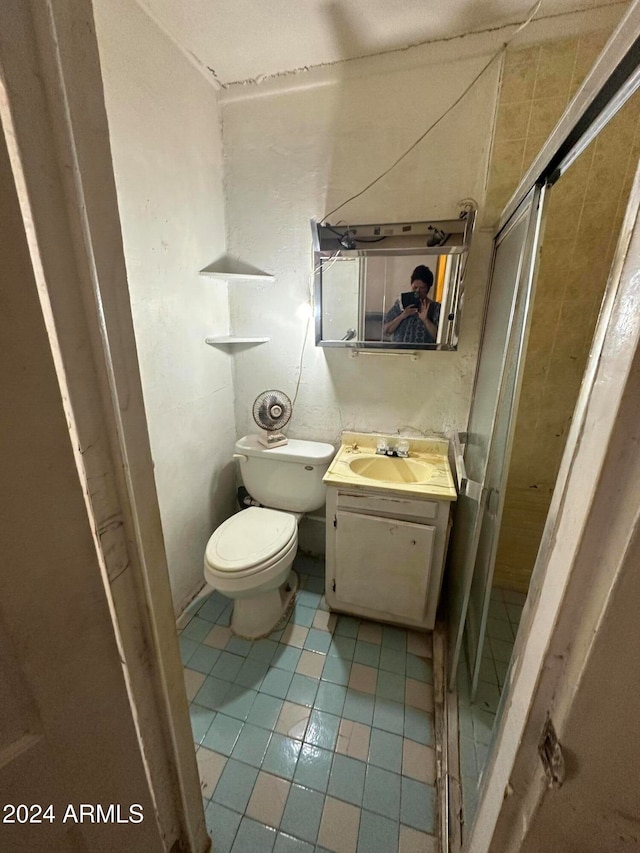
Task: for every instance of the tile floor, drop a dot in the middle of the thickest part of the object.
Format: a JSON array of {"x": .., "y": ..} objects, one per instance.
[
  {"x": 476, "y": 720},
  {"x": 318, "y": 738}
]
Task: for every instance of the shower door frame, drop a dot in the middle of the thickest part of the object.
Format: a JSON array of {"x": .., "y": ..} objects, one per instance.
[
  {"x": 480, "y": 499},
  {"x": 499, "y": 455},
  {"x": 569, "y": 592},
  {"x": 610, "y": 83}
]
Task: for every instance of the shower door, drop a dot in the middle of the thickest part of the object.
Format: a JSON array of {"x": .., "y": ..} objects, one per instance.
[{"x": 489, "y": 433}]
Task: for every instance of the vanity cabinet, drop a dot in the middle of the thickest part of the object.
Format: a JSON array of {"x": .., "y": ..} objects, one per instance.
[{"x": 385, "y": 555}]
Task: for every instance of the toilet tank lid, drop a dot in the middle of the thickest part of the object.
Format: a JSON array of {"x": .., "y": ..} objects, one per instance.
[{"x": 305, "y": 452}]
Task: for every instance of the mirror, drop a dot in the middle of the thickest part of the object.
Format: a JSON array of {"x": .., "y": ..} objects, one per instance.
[{"x": 395, "y": 286}]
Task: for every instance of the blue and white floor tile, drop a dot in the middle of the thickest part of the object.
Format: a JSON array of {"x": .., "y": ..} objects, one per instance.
[{"x": 318, "y": 738}]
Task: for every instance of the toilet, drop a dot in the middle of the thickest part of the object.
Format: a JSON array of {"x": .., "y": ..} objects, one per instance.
[{"x": 249, "y": 557}]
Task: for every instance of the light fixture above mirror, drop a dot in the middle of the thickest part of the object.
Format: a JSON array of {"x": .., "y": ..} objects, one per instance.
[{"x": 391, "y": 286}]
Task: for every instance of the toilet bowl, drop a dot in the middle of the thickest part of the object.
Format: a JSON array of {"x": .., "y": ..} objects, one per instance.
[{"x": 249, "y": 557}]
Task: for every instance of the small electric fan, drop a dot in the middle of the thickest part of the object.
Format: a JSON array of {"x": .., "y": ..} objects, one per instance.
[{"x": 271, "y": 411}]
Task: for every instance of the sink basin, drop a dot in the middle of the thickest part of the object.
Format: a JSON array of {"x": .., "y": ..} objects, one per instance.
[{"x": 391, "y": 469}]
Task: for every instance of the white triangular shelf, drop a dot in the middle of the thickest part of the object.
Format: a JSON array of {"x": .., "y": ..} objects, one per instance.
[
  {"x": 223, "y": 340},
  {"x": 232, "y": 268}
]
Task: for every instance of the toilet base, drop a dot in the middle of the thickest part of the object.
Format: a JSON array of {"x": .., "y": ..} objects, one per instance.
[{"x": 254, "y": 618}]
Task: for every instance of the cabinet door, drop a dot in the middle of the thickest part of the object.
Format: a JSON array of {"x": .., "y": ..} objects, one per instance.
[{"x": 383, "y": 564}]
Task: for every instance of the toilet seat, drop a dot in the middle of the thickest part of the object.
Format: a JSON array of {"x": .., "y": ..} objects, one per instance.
[{"x": 251, "y": 541}]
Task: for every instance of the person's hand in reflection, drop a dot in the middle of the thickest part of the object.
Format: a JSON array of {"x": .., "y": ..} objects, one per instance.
[
  {"x": 409, "y": 311},
  {"x": 424, "y": 310}
]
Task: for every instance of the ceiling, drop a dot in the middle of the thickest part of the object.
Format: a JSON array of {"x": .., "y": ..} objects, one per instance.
[{"x": 240, "y": 40}]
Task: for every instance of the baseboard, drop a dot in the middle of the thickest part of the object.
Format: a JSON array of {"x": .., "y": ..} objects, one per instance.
[
  {"x": 447, "y": 757},
  {"x": 188, "y": 605}
]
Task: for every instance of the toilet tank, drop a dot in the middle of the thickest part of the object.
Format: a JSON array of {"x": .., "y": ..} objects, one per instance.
[{"x": 288, "y": 477}]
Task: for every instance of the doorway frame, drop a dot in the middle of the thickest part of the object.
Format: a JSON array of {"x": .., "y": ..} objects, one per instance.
[{"x": 53, "y": 116}]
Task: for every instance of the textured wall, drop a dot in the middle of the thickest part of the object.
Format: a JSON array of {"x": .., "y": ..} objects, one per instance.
[
  {"x": 166, "y": 143},
  {"x": 298, "y": 146},
  {"x": 296, "y": 153},
  {"x": 583, "y": 218}
]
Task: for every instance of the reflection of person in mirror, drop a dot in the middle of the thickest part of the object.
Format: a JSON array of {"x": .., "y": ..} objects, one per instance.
[{"x": 418, "y": 323}]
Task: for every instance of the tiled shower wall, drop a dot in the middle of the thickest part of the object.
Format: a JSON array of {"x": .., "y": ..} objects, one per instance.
[{"x": 584, "y": 215}]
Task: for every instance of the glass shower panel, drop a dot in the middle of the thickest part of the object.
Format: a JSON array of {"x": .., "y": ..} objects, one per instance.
[
  {"x": 492, "y": 402},
  {"x": 496, "y": 476}
]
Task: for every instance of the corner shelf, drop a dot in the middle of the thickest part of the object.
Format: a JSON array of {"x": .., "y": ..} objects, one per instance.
[
  {"x": 224, "y": 340},
  {"x": 232, "y": 268}
]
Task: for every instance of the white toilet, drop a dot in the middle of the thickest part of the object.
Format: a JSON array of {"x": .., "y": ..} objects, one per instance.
[{"x": 248, "y": 558}]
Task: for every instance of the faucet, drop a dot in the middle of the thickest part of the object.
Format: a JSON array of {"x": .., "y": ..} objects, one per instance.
[
  {"x": 382, "y": 447},
  {"x": 401, "y": 449}
]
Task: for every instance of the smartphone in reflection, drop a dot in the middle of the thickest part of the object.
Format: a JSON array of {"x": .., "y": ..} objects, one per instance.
[{"x": 410, "y": 298}]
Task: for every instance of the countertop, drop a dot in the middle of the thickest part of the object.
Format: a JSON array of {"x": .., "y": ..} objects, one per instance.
[{"x": 433, "y": 451}]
